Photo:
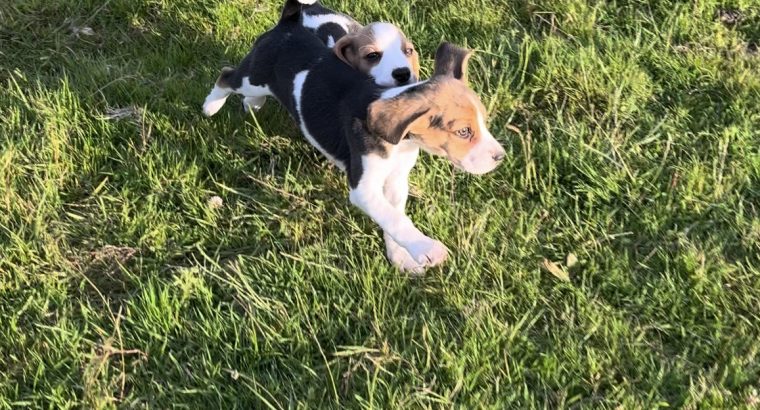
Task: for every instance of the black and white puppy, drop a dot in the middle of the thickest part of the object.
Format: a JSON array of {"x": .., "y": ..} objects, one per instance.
[{"x": 374, "y": 134}]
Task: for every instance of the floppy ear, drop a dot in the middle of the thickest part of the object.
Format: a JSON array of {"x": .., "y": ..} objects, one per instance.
[
  {"x": 451, "y": 61},
  {"x": 391, "y": 119},
  {"x": 343, "y": 47},
  {"x": 416, "y": 65}
]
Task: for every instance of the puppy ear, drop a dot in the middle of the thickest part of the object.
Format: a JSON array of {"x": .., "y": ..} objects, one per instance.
[
  {"x": 451, "y": 61},
  {"x": 343, "y": 47},
  {"x": 391, "y": 119},
  {"x": 416, "y": 65}
]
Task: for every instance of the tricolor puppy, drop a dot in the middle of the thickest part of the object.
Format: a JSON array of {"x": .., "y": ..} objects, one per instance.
[
  {"x": 382, "y": 51},
  {"x": 379, "y": 49},
  {"x": 374, "y": 134}
]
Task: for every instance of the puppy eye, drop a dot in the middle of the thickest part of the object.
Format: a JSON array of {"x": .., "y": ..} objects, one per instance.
[
  {"x": 372, "y": 56},
  {"x": 409, "y": 51},
  {"x": 465, "y": 132}
]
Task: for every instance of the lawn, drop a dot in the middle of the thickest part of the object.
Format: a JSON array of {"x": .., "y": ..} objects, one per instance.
[{"x": 633, "y": 136}]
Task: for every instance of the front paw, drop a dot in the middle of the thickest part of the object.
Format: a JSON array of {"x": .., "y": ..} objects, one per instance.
[
  {"x": 428, "y": 252},
  {"x": 401, "y": 259}
]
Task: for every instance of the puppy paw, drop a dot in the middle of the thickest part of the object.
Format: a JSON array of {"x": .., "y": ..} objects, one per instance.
[
  {"x": 428, "y": 252},
  {"x": 253, "y": 103},
  {"x": 401, "y": 259}
]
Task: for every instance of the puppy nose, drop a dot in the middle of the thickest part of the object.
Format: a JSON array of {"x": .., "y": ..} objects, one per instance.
[
  {"x": 498, "y": 156},
  {"x": 401, "y": 75}
]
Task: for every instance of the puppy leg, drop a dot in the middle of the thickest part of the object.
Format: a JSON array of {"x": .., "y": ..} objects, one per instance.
[
  {"x": 396, "y": 191},
  {"x": 423, "y": 250},
  {"x": 368, "y": 194},
  {"x": 253, "y": 103},
  {"x": 254, "y": 95}
]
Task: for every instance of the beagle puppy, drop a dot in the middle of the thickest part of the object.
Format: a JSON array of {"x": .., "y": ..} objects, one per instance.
[
  {"x": 374, "y": 134},
  {"x": 379, "y": 49}
]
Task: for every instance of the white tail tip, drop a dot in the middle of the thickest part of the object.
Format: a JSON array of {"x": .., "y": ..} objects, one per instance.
[{"x": 215, "y": 100}]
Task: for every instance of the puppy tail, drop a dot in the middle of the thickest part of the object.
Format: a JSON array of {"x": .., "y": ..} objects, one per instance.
[{"x": 292, "y": 10}]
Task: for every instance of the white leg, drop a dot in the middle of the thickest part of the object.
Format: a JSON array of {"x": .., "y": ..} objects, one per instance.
[
  {"x": 397, "y": 191},
  {"x": 254, "y": 96},
  {"x": 398, "y": 226},
  {"x": 370, "y": 197},
  {"x": 215, "y": 100},
  {"x": 253, "y": 103}
]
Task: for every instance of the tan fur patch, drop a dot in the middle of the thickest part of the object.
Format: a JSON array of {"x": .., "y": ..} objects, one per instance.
[{"x": 458, "y": 107}]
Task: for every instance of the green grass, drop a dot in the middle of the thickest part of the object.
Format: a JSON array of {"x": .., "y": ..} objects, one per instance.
[{"x": 638, "y": 151}]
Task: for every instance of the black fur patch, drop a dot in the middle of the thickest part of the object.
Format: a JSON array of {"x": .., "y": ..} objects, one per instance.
[
  {"x": 291, "y": 11},
  {"x": 371, "y": 143},
  {"x": 327, "y": 30},
  {"x": 436, "y": 121}
]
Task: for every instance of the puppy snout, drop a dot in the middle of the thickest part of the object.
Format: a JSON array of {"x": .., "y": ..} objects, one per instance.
[
  {"x": 401, "y": 75},
  {"x": 498, "y": 156}
]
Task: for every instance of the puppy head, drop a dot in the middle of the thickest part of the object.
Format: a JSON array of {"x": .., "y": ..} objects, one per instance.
[
  {"x": 443, "y": 116},
  {"x": 382, "y": 51}
]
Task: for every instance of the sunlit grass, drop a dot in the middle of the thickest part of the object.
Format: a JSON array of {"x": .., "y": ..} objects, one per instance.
[{"x": 633, "y": 132}]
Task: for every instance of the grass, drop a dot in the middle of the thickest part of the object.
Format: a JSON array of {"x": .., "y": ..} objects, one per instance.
[{"x": 638, "y": 152}]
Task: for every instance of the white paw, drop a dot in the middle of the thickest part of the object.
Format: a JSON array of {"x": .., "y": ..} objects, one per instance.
[
  {"x": 253, "y": 103},
  {"x": 401, "y": 259},
  {"x": 428, "y": 252}
]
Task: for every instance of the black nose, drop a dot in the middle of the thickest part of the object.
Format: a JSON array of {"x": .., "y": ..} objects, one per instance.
[
  {"x": 401, "y": 75},
  {"x": 498, "y": 157}
]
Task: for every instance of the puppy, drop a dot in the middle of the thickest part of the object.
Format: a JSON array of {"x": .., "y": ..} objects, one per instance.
[
  {"x": 379, "y": 49},
  {"x": 372, "y": 133}
]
